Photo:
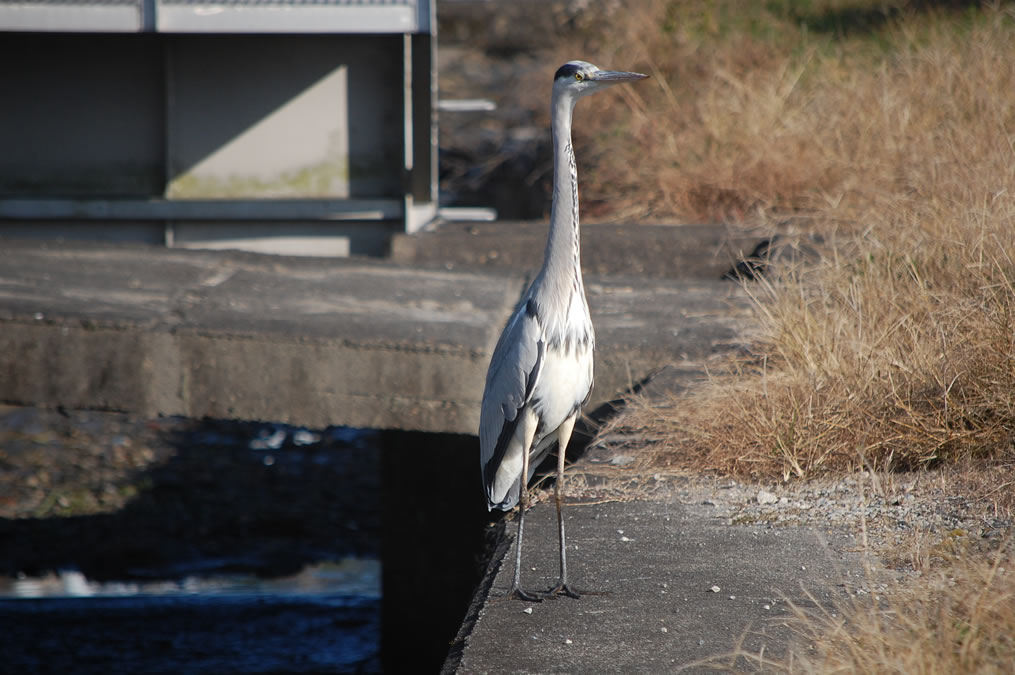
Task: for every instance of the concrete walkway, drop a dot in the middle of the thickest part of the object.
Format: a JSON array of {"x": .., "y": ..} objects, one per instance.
[{"x": 669, "y": 585}]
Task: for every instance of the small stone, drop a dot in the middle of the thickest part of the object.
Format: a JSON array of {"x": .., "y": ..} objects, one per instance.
[
  {"x": 766, "y": 607},
  {"x": 568, "y": 641},
  {"x": 626, "y": 539},
  {"x": 527, "y": 610},
  {"x": 304, "y": 437},
  {"x": 665, "y": 629},
  {"x": 733, "y": 597},
  {"x": 766, "y": 497},
  {"x": 715, "y": 589}
]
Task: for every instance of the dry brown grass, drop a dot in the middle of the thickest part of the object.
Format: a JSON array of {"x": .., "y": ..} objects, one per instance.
[
  {"x": 895, "y": 348},
  {"x": 890, "y": 359},
  {"x": 751, "y": 115},
  {"x": 959, "y": 620}
]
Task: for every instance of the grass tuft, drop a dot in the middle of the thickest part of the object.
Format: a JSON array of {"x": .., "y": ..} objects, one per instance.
[
  {"x": 960, "y": 620},
  {"x": 896, "y": 348}
]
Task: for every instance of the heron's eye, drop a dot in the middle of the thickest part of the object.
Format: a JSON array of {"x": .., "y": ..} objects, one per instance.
[{"x": 579, "y": 77}]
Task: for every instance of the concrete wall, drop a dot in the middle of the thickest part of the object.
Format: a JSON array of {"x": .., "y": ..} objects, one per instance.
[
  {"x": 284, "y": 116},
  {"x": 82, "y": 116},
  {"x": 116, "y": 136}
]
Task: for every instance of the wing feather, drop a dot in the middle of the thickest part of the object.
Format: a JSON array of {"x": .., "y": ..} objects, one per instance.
[{"x": 514, "y": 371}]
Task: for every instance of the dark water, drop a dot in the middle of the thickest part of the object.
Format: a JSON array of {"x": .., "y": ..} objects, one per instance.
[
  {"x": 252, "y": 548},
  {"x": 192, "y": 633}
]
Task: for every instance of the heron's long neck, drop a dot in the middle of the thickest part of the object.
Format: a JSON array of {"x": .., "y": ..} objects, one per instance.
[{"x": 562, "y": 262}]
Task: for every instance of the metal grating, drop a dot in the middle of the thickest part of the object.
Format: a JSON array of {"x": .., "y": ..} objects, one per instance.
[
  {"x": 218, "y": 16},
  {"x": 293, "y": 16},
  {"x": 65, "y": 16},
  {"x": 13, "y": 4},
  {"x": 293, "y": 3}
]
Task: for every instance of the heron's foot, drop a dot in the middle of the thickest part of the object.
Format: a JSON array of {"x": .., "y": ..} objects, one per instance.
[
  {"x": 563, "y": 589},
  {"x": 519, "y": 594}
]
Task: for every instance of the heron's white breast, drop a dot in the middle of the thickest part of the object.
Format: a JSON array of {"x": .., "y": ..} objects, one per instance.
[{"x": 563, "y": 384}]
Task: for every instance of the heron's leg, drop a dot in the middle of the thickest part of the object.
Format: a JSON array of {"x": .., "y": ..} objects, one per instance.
[
  {"x": 563, "y": 436},
  {"x": 523, "y": 506}
]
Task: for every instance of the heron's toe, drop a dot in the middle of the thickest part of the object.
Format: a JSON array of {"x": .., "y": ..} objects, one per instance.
[
  {"x": 563, "y": 589},
  {"x": 519, "y": 594}
]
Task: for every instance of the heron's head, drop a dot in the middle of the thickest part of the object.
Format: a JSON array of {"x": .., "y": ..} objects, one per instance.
[{"x": 579, "y": 78}]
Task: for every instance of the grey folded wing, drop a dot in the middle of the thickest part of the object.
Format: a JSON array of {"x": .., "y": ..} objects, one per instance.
[{"x": 514, "y": 370}]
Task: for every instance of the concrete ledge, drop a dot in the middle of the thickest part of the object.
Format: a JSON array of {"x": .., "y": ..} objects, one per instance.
[
  {"x": 310, "y": 342},
  {"x": 699, "y": 252}
]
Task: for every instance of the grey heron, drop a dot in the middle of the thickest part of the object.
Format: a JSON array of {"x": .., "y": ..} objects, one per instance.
[{"x": 540, "y": 373}]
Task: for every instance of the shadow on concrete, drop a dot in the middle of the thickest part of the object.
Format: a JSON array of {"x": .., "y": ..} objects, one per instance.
[
  {"x": 438, "y": 540},
  {"x": 225, "y": 91}
]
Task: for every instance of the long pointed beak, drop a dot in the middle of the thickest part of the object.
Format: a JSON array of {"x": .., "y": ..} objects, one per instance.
[{"x": 616, "y": 76}]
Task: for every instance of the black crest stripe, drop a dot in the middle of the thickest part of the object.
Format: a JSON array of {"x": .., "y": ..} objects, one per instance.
[{"x": 566, "y": 70}]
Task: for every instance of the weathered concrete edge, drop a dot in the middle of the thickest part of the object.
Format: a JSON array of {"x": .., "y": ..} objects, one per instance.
[
  {"x": 156, "y": 372},
  {"x": 372, "y": 345},
  {"x": 207, "y": 374},
  {"x": 163, "y": 371},
  {"x": 479, "y": 599}
]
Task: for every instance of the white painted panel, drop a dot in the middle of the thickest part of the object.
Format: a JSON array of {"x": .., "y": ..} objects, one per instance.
[
  {"x": 283, "y": 117},
  {"x": 300, "y": 149}
]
